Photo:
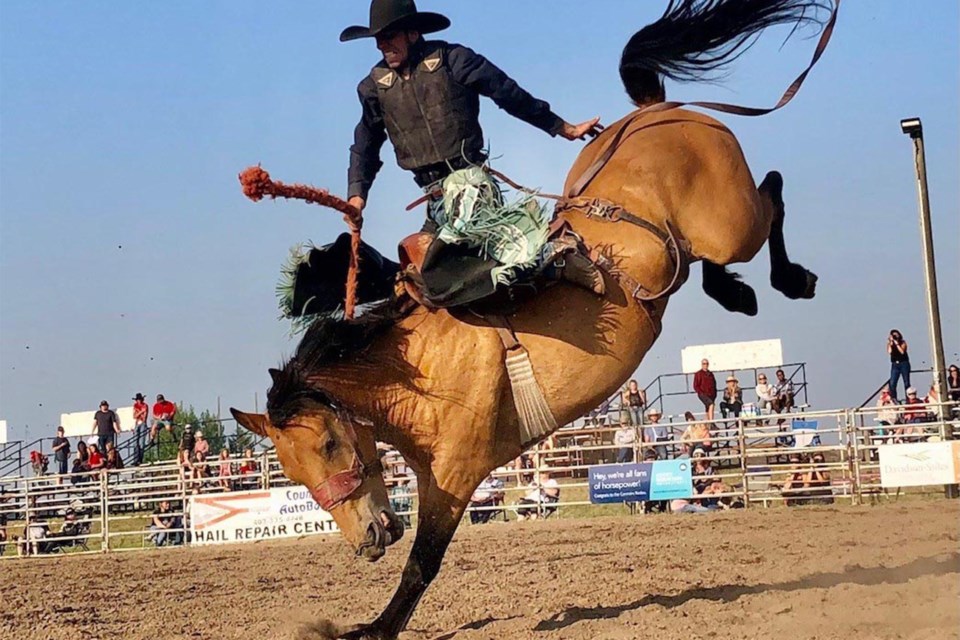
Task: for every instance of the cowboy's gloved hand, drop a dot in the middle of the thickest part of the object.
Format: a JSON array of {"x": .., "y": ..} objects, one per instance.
[
  {"x": 357, "y": 202},
  {"x": 580, "y": 131}
]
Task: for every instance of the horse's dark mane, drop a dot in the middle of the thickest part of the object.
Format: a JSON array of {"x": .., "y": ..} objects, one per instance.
[
  {"x": 327, "y": 341},
  {"x": 695, "y": 39}
]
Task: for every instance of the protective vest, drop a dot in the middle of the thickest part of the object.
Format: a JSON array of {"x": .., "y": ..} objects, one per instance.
[{"x": 430, "y": 117}]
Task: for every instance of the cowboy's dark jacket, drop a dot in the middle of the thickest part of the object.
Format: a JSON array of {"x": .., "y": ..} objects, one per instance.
[{"x": 432, "y": 118}]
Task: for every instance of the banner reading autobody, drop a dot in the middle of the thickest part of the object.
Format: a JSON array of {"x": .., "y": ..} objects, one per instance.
[
  {"x": 247, "y": 516},
  {"x": 660, "y": 480}
]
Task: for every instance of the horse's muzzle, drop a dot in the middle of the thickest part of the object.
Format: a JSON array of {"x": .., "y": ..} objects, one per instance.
[{"x": 381, "y": 533}]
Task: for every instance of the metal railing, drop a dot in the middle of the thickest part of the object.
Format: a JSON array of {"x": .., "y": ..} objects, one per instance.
[{"x": 766, "y": 460}]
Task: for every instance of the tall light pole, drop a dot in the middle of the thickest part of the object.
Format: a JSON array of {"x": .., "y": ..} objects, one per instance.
[{"x": 913, "y": 128}]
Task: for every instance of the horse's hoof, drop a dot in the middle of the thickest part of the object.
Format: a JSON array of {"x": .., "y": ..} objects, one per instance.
[
  {"x": 362, "y": 632},
  {"x": 794, "y": 282}
]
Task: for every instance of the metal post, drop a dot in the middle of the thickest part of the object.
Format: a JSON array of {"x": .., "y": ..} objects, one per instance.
[{"x": 913, "y": 128}]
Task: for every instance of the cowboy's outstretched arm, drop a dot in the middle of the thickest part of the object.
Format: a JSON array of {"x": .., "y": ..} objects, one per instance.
[
  {"x": 473, "y": 70},
  {"x": 368, "y": 137}
]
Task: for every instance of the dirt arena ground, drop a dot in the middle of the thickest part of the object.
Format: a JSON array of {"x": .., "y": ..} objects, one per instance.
[{"x": 891, "y": 571}]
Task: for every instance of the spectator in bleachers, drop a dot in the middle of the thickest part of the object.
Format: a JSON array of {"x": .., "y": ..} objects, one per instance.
[
  {"x": 163, "y": 414},
  {"x": 888, "y": 414},
  {"x": 624, "y": 438},
  {"x": 899, "y": 361},
  {"x": 112, "y": 460},
  {"x": 783, "y": 393},
  {"x": 95, "y": 460},
  {"x": 765, "y": 393},
  {"x": 225, "y": 470},
  {"x": 732, "y": 398},
  {"x": 702, "y": 471},
  {"x": 61, "y": 453},
  {"x": 249, "y": 467},
  {"x": 632, "y": 401},
  {"x": 697, "y": 434},
  {"x": 188, "y": 440},
  {"x": 544, "y": 492},
  {"x": 489, "y": 494},
  {"x": 657, "y": 433},
  {"x": 818, "y": 484},
  {"x": 953, "y": 383},
  {"x": 163, "y": 525},
  {"x": 793, "y": 488},
  {"x": 106, "y": 425},
  {"x": 141, "y": 429},
  {"x": 932, "y": 400},
  {"x": 808, "y": 483},
  {"x": 722, "y": 502},
  {"x": 705, "y": 386},
  {"x": 401, "y": 500},
  {"x": 199, "y": 467},
  {"x": 200, "y": 444},
  {"x": 81, "y": 463},
  {"x": 914, "y": 409},
  {"x": 3, "y": 529}
]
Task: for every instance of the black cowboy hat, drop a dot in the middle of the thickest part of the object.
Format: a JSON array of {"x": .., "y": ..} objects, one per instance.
[{"x": 396, "y": 15}]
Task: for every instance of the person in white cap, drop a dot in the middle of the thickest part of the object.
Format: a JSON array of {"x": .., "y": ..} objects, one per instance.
[{"x": 657, "y": 433}]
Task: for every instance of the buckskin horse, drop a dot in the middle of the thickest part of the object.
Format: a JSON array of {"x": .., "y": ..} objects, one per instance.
[{"x": 661, "y": 188}]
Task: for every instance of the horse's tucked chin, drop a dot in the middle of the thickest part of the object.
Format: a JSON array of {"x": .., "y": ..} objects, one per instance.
[{"x": 381, "y": 533}]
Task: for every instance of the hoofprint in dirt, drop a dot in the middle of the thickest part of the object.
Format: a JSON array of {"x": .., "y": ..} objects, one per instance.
[{"x": 890, "y": 571}]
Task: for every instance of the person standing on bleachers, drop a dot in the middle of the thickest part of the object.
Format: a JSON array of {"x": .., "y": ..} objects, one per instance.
[
  {"x": 899, "y": 361},
  {"x": 141, "y": 413},
  {"x": 106, "y": 425},
  {"x": 61, "y": 453},
  {"x": 705, "y": 386}
]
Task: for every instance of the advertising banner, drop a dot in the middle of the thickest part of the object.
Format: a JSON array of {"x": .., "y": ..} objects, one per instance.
[
  {"x": 248, "y": 516},
  {"x": 731, "y": 356},
  {"x": 635, "y": 482},
  {"x": 3, "y": 431},
  {"x": 919, "y": 464},
  {"x": 81, "y": 423}
]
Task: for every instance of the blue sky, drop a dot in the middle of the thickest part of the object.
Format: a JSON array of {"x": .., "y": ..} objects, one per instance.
[{"x": 129, "y": 261}]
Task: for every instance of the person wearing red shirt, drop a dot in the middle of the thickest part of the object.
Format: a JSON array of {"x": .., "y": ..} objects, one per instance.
[
  {"x": 163, "y": 413},
  {"x": 141, "y": 413},
  {"x": 705, "y": 386},
  {"x": 95, "y": 459}
]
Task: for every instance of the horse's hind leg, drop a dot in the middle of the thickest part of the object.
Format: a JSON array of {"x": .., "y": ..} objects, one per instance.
[
  {"x": 727, "y": 288},
  {"x": 789, "y": 278}
]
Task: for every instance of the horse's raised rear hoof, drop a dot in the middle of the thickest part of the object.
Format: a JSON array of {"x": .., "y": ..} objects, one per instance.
[
  {"x": 795, "y": 282},
  {"x": 728, "y": 289}
]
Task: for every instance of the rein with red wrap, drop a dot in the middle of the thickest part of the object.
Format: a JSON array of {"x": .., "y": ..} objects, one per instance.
[{"x": 256, "y": 184}]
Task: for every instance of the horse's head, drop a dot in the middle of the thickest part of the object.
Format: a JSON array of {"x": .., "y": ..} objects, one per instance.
[{"x": 321, "y": 448}]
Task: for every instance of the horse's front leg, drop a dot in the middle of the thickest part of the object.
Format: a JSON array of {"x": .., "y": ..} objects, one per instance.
[{"x": 438, "y": 515}]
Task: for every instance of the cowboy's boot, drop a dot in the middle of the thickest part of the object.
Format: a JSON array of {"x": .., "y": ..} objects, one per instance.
[{"x": 573, "y": 266}]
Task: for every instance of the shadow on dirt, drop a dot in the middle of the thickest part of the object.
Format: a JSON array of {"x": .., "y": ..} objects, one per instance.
[
  {"x": 854, "y": 574},
  {"x": 476, "y": 624}
]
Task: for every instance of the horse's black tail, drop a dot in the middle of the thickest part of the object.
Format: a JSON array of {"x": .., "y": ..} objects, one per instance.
[{"x": 694, "y": 39}]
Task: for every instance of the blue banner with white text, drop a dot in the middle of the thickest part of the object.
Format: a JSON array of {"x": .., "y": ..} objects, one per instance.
[{"x": 636, "y": 482}]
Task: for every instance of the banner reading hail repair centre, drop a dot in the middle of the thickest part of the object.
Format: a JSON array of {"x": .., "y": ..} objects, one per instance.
[{"x": 247, "y": 516}]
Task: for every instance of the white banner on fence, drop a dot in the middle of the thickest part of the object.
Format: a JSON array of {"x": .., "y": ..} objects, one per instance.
[
  {"x": 731, "y": 356},
  {"x": 919, "y": 464},
  {"x": 80, "y": 423},
  {"x": 248, "y": 516},
  {"x": 3, "y": 431}
]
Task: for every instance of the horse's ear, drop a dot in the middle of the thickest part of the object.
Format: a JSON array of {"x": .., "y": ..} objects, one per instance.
[
  {"x": 273, "y": 374},
  {"x": 255, "y": 422}
]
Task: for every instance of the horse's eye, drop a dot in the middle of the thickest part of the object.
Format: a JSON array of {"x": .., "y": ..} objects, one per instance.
[{"x": 330, "y": 447}]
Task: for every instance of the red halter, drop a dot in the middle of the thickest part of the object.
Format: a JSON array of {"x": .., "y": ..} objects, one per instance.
[{"x": 336, "y": 489}]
